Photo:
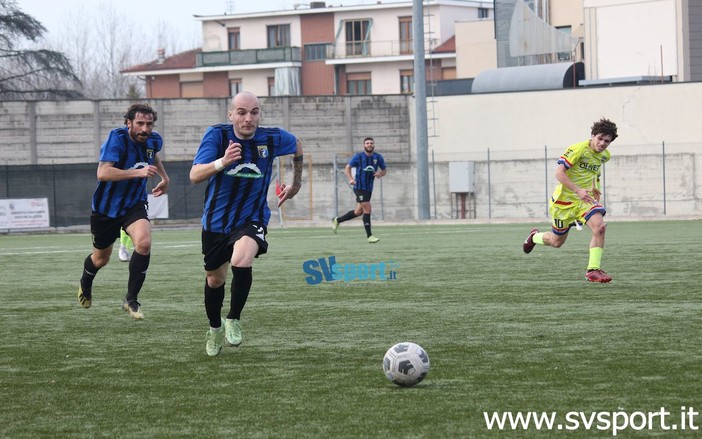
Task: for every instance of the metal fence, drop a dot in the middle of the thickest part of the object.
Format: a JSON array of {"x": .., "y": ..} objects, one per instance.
[
  {"x": 639, "y": 181},
  {"x": 69, "y": 189}
]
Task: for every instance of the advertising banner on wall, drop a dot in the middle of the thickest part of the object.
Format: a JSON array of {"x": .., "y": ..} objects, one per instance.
[
  {"x": 158, "y": 206},
  {"x": 24, "y": 213}
]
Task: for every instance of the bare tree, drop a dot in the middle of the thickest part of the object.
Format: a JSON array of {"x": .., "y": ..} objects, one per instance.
[
  {"x": 104, "y": 42},
  {"x": 100, "y": 45},
  {"x": 172, "y": 39},
  {"x": 31, "y": 73}
]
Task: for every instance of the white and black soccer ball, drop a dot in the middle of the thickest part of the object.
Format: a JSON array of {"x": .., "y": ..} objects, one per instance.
[{"x": 406, "y": 364}]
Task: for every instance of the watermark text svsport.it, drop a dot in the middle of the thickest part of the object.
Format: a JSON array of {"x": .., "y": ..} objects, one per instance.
[
  {"x": 329, "y": 270},
  {"x": 687, "y": 418}
]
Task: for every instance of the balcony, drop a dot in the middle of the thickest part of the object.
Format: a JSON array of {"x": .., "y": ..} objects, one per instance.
[
  {"x": 376, "y": 49},
  {"x": 248, "y": 57}
]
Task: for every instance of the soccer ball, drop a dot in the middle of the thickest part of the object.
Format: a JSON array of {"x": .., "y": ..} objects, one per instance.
[{"x": 406, "y": 364}]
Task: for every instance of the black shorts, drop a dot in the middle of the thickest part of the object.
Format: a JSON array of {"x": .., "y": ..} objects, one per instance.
[
  {"x": 217, "y": 248},
  {"x": 105, "y": 230},
  {"x": 362, "y": 196}
]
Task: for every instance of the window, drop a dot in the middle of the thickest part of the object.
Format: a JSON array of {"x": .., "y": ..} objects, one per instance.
[
  {"x": 271, "y": 86},
  {"x": 234, "y": 39},
  {"x": 483, "y": 12},
  {"x": 564, "y": 56},
  {"x": 234, "y": 86},
  {"x": 357, "y": 36},
  {"x": 358, "y": 83},
  {"x": 315, "y": 52},
  {"x": 191, "y": 89},
  {"x": 279, "y": 35},
  {"x": 407, "y": 82},
  {"x": 405, "y": 35}
]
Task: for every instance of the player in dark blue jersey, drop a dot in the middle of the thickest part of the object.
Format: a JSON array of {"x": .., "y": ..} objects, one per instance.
[
  {"x": 127, "y": 159},
  {"x": 237, "y": 160},
  {"x": 369, "y": 166}
]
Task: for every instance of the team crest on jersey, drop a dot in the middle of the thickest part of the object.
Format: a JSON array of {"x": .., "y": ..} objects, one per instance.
[
  {"x": 245, "y": 170},
  {"x": 262, "y": 151},
  {"x": 150, "y": 153}
]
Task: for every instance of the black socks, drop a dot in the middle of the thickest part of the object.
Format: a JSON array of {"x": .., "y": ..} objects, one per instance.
[
  {"x": 241, "y": 285},
  {"x": 138, "y": 265}
]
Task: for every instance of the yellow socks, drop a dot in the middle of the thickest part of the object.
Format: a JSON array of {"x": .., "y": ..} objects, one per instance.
[
  {"x": 538, "y": 238},
  {"x": 595, "y": 258}
]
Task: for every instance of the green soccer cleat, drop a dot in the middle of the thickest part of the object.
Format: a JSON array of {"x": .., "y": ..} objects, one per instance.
[
  {"x": 133, "y": 309},
  {"x": 335, "y": 224},
  {"x": 372, "y": 239},
  {"x": 85, "y": 299},
  {"x": 232, "y": 332},
  {"x": 215, "y": 340}
]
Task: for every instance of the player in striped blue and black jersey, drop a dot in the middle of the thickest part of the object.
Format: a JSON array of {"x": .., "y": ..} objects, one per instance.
[
  {"x": 369, "y": 166},
  {"x": 236, "y": 160},
  {"x": 127, "y": 159}
]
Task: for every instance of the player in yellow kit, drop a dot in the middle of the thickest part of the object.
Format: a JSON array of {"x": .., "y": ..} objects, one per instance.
[
  {"x": 576, "y": 199},
  {"x": 125, "y": 246}
]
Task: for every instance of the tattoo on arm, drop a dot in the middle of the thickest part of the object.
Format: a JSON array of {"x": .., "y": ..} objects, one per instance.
[{"x": 297, "y": 174}]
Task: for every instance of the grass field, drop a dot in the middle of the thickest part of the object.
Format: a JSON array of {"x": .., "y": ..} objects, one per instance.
[{"x": 505, "y": 332}]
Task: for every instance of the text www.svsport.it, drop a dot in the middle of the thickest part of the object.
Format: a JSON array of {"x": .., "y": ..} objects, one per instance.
[{"x": 615, "y": 421}]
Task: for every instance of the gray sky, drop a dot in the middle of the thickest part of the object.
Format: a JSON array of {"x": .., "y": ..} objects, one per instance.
[{"x": 176, "y": 13}]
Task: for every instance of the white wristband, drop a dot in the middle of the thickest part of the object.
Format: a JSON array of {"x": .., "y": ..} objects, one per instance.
[{"x": 219, "y": 165}]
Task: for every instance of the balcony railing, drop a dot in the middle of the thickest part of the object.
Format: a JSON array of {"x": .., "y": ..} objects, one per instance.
[
  {"x": 376, "y": 49},
  {"x": 253, "y": 56}
]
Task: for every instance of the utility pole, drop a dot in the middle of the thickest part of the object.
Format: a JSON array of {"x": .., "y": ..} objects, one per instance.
[{"x": 420, "y": 111}]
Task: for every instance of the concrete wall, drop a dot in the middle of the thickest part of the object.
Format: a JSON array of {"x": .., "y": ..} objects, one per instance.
[
  {"x": 56, "y": 132},
  {"x": 513, "y": 138},
  {"x": 526, "y": 121},
  {"x": 523, "y": 134}
]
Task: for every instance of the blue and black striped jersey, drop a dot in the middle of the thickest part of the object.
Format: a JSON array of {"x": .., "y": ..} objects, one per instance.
[
  {"x": 238, "y": 194},
  {"x": 366, "y": 167},
  {"x": 115, "y": 198}
]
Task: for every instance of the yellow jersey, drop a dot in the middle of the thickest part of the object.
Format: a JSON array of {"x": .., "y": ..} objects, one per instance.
[{"x": 583, "y": 167}]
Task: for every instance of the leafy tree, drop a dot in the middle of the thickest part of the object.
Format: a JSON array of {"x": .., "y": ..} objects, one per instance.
[{"x": 31, "y": 74}]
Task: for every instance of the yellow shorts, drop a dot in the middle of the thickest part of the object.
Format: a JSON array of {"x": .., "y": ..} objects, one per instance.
[{"x": 563, "y": 216}]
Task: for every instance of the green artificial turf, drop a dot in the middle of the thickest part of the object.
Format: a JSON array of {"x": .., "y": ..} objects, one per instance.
[{"x": 505, "y": 332}]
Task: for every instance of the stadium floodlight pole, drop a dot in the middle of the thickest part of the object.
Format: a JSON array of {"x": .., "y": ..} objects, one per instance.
[{"x": 420, "y": 111}]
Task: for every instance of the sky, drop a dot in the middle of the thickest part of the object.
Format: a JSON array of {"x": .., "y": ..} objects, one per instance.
[{"x": 178, "y": 14}]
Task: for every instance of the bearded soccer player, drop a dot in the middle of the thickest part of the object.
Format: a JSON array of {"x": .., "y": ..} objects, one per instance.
[
  {"x": 369, "y": 166},
  {"x": 128, "y": 158}
]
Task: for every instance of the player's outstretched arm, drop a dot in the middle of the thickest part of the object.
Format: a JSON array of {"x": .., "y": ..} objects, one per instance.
[
  {"x": 287, "y": 192},
  {"x": 107, "y": 171}
]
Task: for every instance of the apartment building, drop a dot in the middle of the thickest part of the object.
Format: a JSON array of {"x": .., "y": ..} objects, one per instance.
[
  {"x": 317, "y": 49},
  {"x": 656, "y": 39},
  {"x": 617, "y": 41}
]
